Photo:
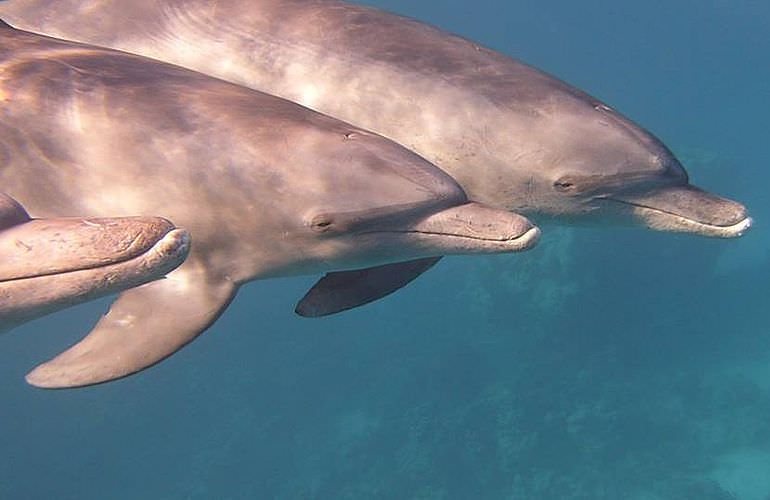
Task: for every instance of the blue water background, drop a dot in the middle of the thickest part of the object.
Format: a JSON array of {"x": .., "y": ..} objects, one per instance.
[{"x": 605, "y": 364}]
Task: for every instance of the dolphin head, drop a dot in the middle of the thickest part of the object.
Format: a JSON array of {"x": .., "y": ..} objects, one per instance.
[
  {"x": 50, "y": 264},
  {"x": 368, "y": 201},
  {"x": 596, "y": 164}
]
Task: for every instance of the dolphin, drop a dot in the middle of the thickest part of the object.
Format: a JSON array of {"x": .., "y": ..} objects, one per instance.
[
  {"x": 265, "y": 187},
  {"x": 511, "y": 135},
  {"x": 50, "y": 264}
]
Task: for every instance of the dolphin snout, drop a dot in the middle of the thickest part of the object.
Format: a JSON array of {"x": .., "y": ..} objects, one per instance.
[
  {"x": 42, "y": 247},
  {"x": 38, "y": 275},
  {"x": 688, "y": 209},
  {"x": 476, "y": 228}
]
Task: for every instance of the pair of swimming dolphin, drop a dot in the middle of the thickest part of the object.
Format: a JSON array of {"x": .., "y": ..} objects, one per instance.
[
  {"x": 264, "y": 186},
  {"x": 268, "y": 188}
]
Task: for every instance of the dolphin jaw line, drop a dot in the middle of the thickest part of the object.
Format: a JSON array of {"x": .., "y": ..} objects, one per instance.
[{"x": 522, "y": 240}]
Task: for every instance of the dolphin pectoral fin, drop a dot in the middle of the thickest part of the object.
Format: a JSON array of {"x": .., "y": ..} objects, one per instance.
[
  {"x": 143, "y": 326},
  {"x": 343, "y": 290}
]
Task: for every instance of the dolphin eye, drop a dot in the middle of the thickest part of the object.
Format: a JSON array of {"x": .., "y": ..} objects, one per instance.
[
  {"x": 563, "y": 185},
  {"x": 321, "y": 223}
]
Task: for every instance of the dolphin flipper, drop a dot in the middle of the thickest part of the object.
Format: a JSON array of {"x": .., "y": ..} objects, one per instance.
[
  {"x": 143, "y": 326},
  {"x": 343, "y": 290}
]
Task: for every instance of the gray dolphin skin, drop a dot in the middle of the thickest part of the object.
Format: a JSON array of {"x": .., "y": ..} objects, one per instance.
[
  {"x": 50, "y": 264},
  {"x": 265, "y": 187},
  {"x": 511, "y": 135}
]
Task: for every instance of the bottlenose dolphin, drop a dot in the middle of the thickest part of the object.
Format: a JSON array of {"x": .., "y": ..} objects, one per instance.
[
  {"x": 50, "y": 264},
  {"x": 511, "y": 135},
  {"x": 266, "y": 188}
]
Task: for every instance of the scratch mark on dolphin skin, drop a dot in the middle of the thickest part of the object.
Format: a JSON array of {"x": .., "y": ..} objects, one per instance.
[{"x": 20, "y": 243}]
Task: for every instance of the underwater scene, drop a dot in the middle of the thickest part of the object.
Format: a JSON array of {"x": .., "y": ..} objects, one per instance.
[{"x": 607, "y": 362}]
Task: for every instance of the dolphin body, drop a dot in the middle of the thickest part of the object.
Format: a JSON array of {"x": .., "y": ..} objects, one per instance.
[
  {"x": 50, "y": 264},
  {"x": 511, "y": 135},
  {"x": 266, "y": 188}
]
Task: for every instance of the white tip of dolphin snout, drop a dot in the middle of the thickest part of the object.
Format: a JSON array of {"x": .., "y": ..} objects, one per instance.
[
  {"x": 174, "y": 246},
  {"x": 744, "y": 226},
  {"x": 529, "y": 239}
]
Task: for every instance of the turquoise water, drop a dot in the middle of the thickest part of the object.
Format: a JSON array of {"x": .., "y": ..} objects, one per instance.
[{"x": 604, "y": 364}]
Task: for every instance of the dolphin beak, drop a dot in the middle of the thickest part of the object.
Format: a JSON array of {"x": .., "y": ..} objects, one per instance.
[
  {"x": 50, "y": 264},
  {"x": 42, "y": 247},
  {"x": 687, "y": 209},
  {"x": 476, "y": 228}
]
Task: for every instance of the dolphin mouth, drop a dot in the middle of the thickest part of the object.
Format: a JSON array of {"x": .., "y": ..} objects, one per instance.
[
  {"x": 468, "y": 229},
  {"x": 686, "y": 209},
  {"x": 518, "y": 243},
  {"x": 42, "y": 248}
]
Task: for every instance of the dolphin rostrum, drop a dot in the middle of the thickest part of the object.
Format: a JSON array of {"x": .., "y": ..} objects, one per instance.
[
  {"x": 511, "y": 135},
  {"x": 50, "y": 264},
  {"x": 266, "y": 188}
]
